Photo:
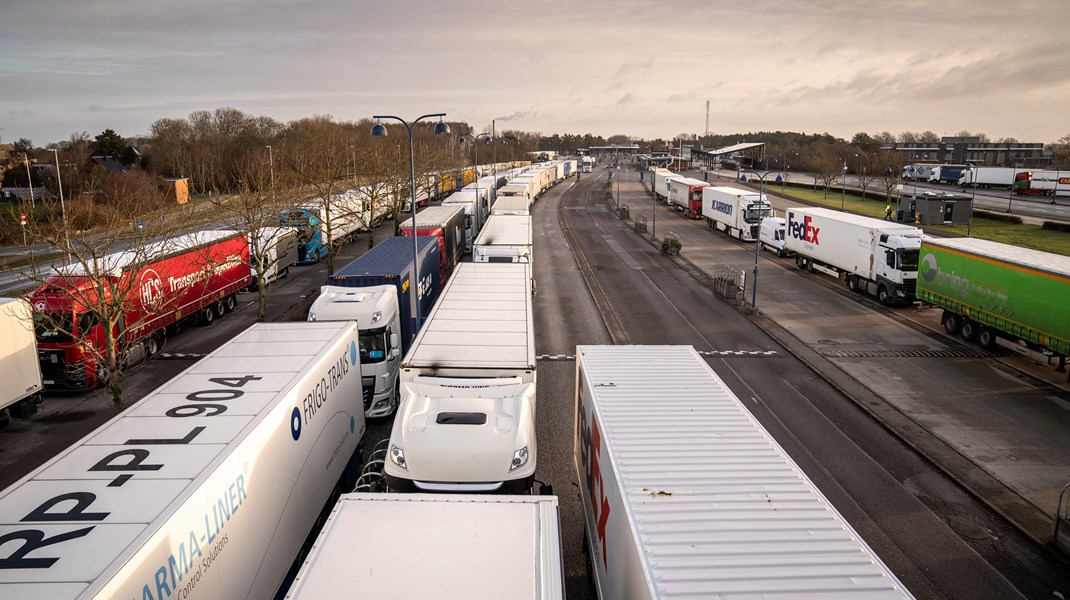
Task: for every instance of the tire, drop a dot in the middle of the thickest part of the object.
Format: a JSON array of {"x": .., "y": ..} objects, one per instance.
[
  {"x": 740, "y": 235},
  {"x": 230, "y": 303},
  {"x": 986, "y": 337},
  {"x": 952, "y": 323},
  {"x": 969, "y": 330},
  {"x": 800, "y": 261},
  {"x": 220, "y": 309},
  {"x": 153, "y": 345},
  {"x": 103, "y": 376},
  {"x": 852, "y": 283},
  {"x": 883, "y": 295},
  {"x": 208, "y": 316}
]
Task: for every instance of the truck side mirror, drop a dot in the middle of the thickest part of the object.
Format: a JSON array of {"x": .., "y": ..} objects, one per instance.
[{"x": 395, "y": 341}]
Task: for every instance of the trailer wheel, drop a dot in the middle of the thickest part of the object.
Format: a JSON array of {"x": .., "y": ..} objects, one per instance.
[
  {"x": 220, "y": 309},
  {"x": 883, "y": 295},
  {"x": 230, "y": 303},
  {"x": 969, "y": 330},
  {"x": 952, "y": 323},
  {"x": 208, "y": 316},
  {"x": 986, "y": 337},
  {"x": 153, "y": 345},
  {"x": 800, "y": 261}
]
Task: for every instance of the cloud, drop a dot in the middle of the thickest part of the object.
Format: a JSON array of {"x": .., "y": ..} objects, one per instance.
[{"x": 626, "y": 99}]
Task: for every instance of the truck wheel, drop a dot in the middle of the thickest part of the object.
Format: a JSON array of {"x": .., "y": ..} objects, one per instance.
[
  {"x": 102, "y": 375},
  {"x": 883, "y": 295},
  {"x": 220, "y": 309},
  {"x": 153, "y": 345},
  {"x": 285, "y": 273},
  {"x": 852, "y": 283},
  {"x": 230, "y": 303},
  {"x": 952, "y": 323},
  {"x": 208, "y": 316},
  {"x": 800, "y": 262},
  {"x": 969, "y": 330},
  {"x": 986, "y": 337}
]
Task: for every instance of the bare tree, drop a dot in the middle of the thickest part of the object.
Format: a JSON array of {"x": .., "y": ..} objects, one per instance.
[
  {"x": 891, "y": 171},
  {"x": 826, "y": 164},
  {"x": 869, "y": 171}
]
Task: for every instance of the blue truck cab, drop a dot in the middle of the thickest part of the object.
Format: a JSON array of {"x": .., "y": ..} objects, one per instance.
[{"x": 306, "y": 220}]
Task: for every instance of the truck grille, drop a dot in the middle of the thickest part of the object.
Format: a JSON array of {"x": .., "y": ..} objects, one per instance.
[{"x": 369, "y": 391}]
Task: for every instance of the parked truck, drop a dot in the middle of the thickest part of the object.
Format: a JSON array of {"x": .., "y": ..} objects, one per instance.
[
  {"x": 987, "y": 177},
  {"x": 473, "y": 201},
  {"x": 707, "y": 506},
  {"x": 506, "y": 238},
  {"x": 190, "y": 278},
  {"x": 511, "y": 205},
  {"x": 997, "y": 294},
  {"x": 685, "y": 194},
  {"x": 20, "y": 372},
  {"x": 323, "y": 225},
  {"x": 378, "y": 291},
  {"x": 276, "y": 247},
  {"x": 444, "y": 546},
  {"x": 466, "y": 422},
  {"x": 1043, "y": 183},
  {"x": 948, "y": 174},
  {"x": 735, "y": 211},
  {"x": 661, "y": 183},
  {"x": 205, "y": 489},
  {"x": 447, "y": 224},
  {"x": 872, "y": 256}
]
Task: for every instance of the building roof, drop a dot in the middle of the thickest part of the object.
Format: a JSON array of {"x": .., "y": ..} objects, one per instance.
[
  {"x": 110, "y": 163},
  {"x": 22, "y": 194}
]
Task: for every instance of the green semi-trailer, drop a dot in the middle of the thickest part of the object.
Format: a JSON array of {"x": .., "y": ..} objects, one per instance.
[{"x": 997, "y": 294}]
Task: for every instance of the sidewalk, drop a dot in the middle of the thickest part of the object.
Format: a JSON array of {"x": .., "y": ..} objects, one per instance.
[{"x": 995, "y": 427}]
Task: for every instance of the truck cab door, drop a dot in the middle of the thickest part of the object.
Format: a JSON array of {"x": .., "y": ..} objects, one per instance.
[{"x": 886, "y": 264}]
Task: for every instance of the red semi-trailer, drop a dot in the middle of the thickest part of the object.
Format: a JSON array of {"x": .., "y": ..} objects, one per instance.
[
  {"x": 446, "y": 223},
  {"x": 194, "y": 277}
]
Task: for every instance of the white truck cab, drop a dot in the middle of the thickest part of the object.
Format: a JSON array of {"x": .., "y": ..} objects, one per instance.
[{"x": 375, "y": 309}]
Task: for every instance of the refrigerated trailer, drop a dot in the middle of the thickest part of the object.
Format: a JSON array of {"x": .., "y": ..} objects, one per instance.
[
  {"x": 1042, "y": 183},
  {"x": 20, "y": 372},
  {"x": 998, "y": 294},
  {"x": 447, "y": 224},
  {"x": 685, "y": 194},
  {"x": 206, "y": 489},
  {"x": 193, "y": 277},
  {"x": 442, "y": 546},
  {"x": 735, "y": 211},
  {"x": 506, "y": 238},
  {"x": 684, "y": 493},
  {"x": 466, "y": 422},
  {"x": 870, "y": 255}
]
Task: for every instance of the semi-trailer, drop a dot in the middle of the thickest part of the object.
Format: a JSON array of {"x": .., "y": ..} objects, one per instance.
[
  {"x": 987, "y": 177},
  {"x": 205, "y": 489},
  {"x": 685, "y": 194},
  {"x": 707, "y": 506},
  {"x": 998, "y": 294},
  {"x": 871, "y": 255},
  {"x": 277, "y": 249},
  {"x": 661, "y": 183},
  {"x": 949, "y": 174},
  {"x": 323, "y": 226},
  {"x": 447, "y": 224},
  {"x": 474, "y": 202},
  {"x": 511, "y": 205},
  {"x": 1044, "y": 183},
  {"x": 466, "y": 422},
  {"x": 447, "y": 546},
  {"x": 20, "y": 371},
  {"x": 506, "y": 238},
  {"x": 735, "y": 211},
  {"x": 193, "y": 277},
  {"x": 378, "y": 290}
]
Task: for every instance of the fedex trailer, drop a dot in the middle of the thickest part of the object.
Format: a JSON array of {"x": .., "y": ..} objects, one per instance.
[
  {"x": 872, "y": 256},
  {"x": 205, "y": 489},
  {"x": 707, "y": 506}
]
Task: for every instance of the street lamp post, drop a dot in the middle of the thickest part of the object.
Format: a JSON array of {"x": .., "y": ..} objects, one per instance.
[
  {"x": 62, "y": 205},
  {"x": 757, "y": 239},
  {"x": 487, "y": 137},
  {"x": 843, "y": 185},
  {"x": 379, "y": 130},
  {"x": 973, "y": 197},
  {"x": 29, "y": 179}
]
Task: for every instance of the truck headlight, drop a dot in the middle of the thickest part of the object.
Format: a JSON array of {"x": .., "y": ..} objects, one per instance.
[
  {"x": 397, "y": 456},
  {"x": 520, "y": 458}
]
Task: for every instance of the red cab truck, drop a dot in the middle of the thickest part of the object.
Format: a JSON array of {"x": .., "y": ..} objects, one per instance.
[
  {"x": 446, "y": 223},
  {"x": 193, "y": 277}
]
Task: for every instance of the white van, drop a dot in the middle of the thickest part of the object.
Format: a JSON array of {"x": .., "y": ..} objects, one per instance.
[{"x": 771, "y": 235}]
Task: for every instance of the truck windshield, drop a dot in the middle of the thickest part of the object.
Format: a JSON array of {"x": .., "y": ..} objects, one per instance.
[
  {"x": 757, "y": 212},
  {"x": 908, "y": 259},
  {"x": 52, "y": 327},
  {"x": 373, "y": 345}
]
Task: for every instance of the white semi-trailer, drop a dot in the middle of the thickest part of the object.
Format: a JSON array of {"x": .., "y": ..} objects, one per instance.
[
  {"x": 987, "y": 177},
  {"x": 511, "y": 205},
  {"x": 661, "y": 183},
  {"x": 737, "y": 212},
  {"x": 506, "y": 238},
  {"x": 467, "y": 417},
  {"x": 273, "y": 250},
  {"x": 705, "y": 504},
  {"x": 871, "y": 255},
  {"x": 474, "y": 202},
  {"x": 20, "y": 371},
  {"x": 205, "y": 489},
  {"x": 443, "y": 546}
]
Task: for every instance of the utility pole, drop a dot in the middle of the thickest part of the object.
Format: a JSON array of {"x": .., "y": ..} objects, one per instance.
[{"x": 707, "y": 117}]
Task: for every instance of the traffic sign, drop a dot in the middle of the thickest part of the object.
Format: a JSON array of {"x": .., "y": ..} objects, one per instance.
[{"x": 22, "y": 219}]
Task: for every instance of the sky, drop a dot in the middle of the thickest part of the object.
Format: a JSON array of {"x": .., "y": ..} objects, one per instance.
[{"x": 634, "y": 67}]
